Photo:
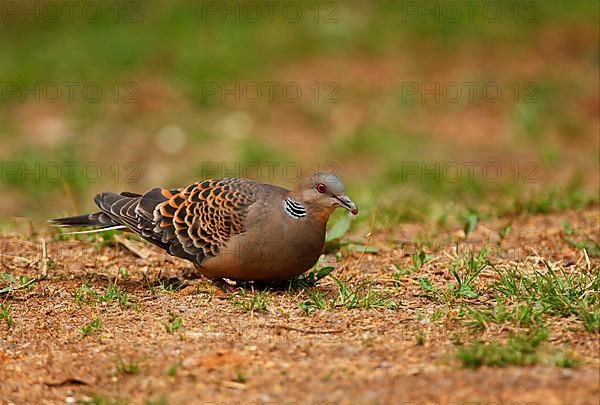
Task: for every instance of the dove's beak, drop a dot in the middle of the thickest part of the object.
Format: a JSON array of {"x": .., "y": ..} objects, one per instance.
[{"x": 345, "y": 202}]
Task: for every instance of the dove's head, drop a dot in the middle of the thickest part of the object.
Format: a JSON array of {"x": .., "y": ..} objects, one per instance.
[{"x": 324, "y": 191}]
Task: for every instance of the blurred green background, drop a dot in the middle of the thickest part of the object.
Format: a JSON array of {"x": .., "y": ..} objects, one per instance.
[{"x": 133, "y": 95}]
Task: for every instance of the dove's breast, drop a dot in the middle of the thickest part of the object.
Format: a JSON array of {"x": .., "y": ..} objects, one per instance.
[{"x": 274, "y": 246}]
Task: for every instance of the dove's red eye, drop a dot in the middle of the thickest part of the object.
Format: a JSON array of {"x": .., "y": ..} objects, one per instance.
[{"x": 321, "y": 188}]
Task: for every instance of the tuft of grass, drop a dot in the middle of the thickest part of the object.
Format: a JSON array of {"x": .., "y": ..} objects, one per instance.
[
  {"x": 13, "y": 283},
  {"x": 465, "y": 280},
  {"x": 315, "y": 301},
  {"x": 170, "y": 286},
  {"x": 522, "y": 314},
  {"x": 518, "y": 350},
  {"x": 589, "y": 314},
  {"x": 470, "y": 223},
  {"x": 172, "y": 370},
  {"x": 420, "y": 338},
  {"x": 571, "y": 197},
  {"x": 399, "y": 274},
  {"x": 240, "y": 377},
  {"x": 86, "y": 295},
  {"x": 555, "y": 292},
  {"x": 104, "y": 238},
  {"x": 426, "y": 286},
  {"x": 465, "y": 271},
  {"x": 591, "y": 247},
  {"x": 123, "y": 273},
  {"x": 419, "y": 259},
  {"x": 127, "y": 367},
  {"x": 173, "y": 323},
  {"x": 6, "y": 315},
  {"x": 97, "y": 240},
  {"x": 503, "y": 233},
  {"x": 565, "y": 359},
  {"x": 361, "y": 296},
  {"x": 113, "y": 294},
  {"x": 167, "y": 286},
  {"x": 310, "y": 279},
  {"x": 90, "y": 327},
  {"x": 258, "y": 301}
]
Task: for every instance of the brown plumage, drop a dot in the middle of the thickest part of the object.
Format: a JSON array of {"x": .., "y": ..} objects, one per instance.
[{"x": 234, "y": 228}]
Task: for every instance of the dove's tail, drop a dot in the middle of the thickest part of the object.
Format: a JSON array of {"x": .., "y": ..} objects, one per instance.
[
  {"x": 79, "y": 220},
  {"x": 97, "y": 219}
]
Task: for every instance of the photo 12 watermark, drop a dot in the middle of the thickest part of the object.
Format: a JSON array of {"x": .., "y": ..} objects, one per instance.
[
  {"x": 453, "y": 12},
  {"x": 270, "y": 11},
  {"x": 454, "y": 172},
  {"x": 68, "y": 92},
  {"x": 21, "y": 172},
  {"x": 54, "y": 12},
  {"x": 469, "y": 92},
  {"x": 269, "y": 92}
]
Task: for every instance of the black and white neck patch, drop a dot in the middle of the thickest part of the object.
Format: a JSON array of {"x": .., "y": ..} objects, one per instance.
[{"x": 293, "y": 208}]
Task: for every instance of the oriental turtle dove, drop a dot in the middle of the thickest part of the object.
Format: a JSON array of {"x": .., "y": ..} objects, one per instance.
[{"x": 230, "y": 228}]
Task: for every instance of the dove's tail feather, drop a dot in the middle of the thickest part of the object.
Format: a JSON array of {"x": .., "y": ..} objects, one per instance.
[
  {"x": 79, "y": 220},
  {"x": 115, "y": 211},
  {"x": 98, "y": 219},
  {"x": 126, "y": 211}
]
